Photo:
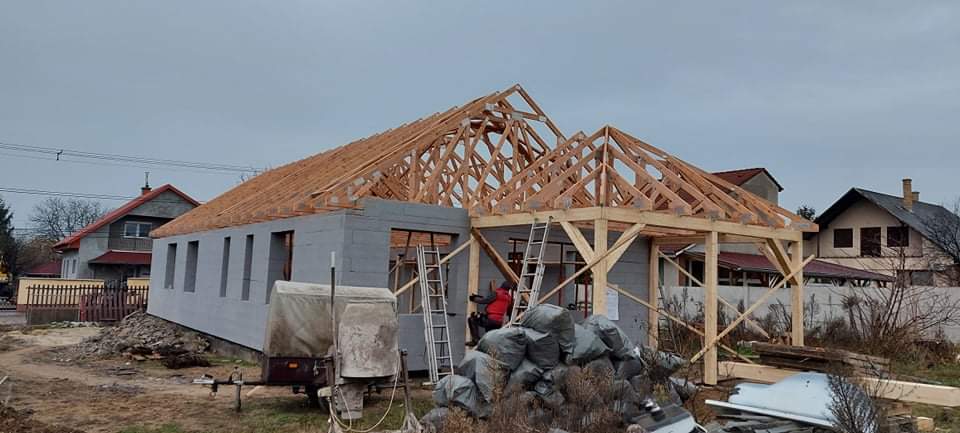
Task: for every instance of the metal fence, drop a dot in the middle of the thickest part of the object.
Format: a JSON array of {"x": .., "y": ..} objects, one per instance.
[{"x": 111, "y": 302}]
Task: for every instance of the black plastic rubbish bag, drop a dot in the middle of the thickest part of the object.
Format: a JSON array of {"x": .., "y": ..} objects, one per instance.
[
  {"x": 542, "y": 348},
  {"x": 588, "y": 347},
  {"x": 524, "y": 376},
  {"x": 485, "y": 372},
  {"x": 458, "y": 391},
  {"x": 611, "y": 334},
  {"x": 553, "y": 320},
  {"x": 507, "y": 345}
]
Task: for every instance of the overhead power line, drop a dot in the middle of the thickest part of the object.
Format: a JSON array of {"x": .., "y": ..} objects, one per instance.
[
  {"x": 61, "y": 154},
  {"x": 94, "y": 196}
]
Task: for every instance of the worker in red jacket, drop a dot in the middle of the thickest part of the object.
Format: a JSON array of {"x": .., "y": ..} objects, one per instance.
[{"x": 498, "y": 302}]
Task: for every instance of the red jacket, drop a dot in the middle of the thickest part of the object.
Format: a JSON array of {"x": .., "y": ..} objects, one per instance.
[{"x": 498, "y": 308}]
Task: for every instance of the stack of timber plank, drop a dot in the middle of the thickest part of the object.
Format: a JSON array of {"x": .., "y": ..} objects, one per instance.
[{"x": 820, "y": 359}]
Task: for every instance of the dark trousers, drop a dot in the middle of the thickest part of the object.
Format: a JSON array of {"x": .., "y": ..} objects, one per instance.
[{"x": 477, "y": 321}]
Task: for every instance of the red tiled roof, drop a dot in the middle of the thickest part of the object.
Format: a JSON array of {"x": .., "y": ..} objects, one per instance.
[
  {"x": 46, "y": 269},
  {"x": 738, "y": 177},
  {"x": 72, "y": 241},
  {"x": 123, "y": 258},
  {"x": 816, "y": 268}
]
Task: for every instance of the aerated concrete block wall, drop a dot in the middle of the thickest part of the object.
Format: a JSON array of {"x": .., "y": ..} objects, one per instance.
[{"x": 361, "y": 240}]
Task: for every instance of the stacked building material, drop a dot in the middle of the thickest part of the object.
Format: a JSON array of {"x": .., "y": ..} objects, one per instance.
[
  {"x": 824, "y": 360},
  {"x": 547, "y": 363}
]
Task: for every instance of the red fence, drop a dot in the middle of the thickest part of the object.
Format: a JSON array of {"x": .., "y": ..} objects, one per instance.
[{"x": 84, "y": 304}]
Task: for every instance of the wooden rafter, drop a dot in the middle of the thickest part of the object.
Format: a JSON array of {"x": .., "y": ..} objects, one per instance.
[{"x": 496, "y": 155}]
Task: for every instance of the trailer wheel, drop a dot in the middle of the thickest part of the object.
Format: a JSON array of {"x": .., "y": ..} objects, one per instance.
[{"x": 313, "y": 396}]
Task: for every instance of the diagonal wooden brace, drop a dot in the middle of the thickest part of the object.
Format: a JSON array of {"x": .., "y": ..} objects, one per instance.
[{"x": 750, "y": 310}]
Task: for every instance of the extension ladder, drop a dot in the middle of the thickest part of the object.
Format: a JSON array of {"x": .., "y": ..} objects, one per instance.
[
  {"x": 527, "y": 295},
  {"x": 433, "y": 301}
]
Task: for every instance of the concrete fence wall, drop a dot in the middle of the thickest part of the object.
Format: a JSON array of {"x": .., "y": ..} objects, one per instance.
[{"x": 822, "y": 302}]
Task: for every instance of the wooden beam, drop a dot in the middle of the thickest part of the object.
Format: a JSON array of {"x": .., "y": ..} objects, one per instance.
[
  {"x": 618, "y": 252},
  {"x": 446, "y": 259},
  {"x": 579, "y": 242},
  {"x": 796, "y": 293},
  {"x": 473, "y": 275},
  {"x": 588, "y": 267},
  {"x": 498, "y": 261},
  {"x": 653, "y": 295},
  {"x": 663, "y": 219},
  {"x": 910, "y": 392},
  {"x": 710, "y": 307},
  {"x": 527, "y": 218},
  {"x": 751, "y": 322},
  {"x": 599, "y": 301}
]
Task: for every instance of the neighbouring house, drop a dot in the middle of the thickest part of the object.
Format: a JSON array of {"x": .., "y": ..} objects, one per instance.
[
  {"x": 118, "y": 246},
  {"x": 50, "y": 269},
  {"x": 468, "y": 181},
  {"x": 887, "y": 234},
  {"x": 740, "y": 264},
  {"x": 756, "y": 270},
  {"x": 756, "y": 180}
]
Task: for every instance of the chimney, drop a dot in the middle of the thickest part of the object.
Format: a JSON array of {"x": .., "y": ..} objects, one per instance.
[
  {"x": 916, "y": 196},
  {"x": 146, "y": 184},
  {"x": 908, "y": 196}
]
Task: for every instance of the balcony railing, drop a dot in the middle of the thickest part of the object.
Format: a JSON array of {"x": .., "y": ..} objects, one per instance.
[{"x": 130, "y": 244}]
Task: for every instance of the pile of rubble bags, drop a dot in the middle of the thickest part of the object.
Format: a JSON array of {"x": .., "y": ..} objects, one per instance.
[
  {"x": 559, "y": 374},
  {"x": 140, "y": 336}
]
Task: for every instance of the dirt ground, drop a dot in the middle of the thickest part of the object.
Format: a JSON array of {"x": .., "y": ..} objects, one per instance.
[{"x": 118, "y": 395}]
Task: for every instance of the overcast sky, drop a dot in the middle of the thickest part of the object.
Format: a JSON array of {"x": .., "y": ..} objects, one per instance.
[{"x": 826, "y": 95}]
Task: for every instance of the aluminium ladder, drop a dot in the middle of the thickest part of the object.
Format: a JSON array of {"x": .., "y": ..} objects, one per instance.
[
  {"x": 532, "y": 256},
  {"x": 433, "y": 301}
]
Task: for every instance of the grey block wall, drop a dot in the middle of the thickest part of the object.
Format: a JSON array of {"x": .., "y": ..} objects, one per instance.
[{"x": 361, "y": 240}]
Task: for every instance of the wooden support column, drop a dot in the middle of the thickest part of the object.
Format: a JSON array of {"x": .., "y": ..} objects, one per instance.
[
  {"x": 599, "y": 300},
  {"x": 710, "y": 307},
  {"x": 796, "y": 293},
  {"x": 473, "y": 275},
  {"x": 473, "y": 281},
  {"x": 653, "y": 297}
]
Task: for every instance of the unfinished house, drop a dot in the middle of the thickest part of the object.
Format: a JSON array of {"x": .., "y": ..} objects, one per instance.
[{"x": 470, "y": 181}]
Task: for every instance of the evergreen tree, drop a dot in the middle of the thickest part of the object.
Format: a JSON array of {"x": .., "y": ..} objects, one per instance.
[{"x": 9, "y": 247}]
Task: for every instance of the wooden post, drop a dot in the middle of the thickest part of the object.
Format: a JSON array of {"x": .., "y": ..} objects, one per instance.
[
  {"x": 796, "y": 293},
  {"x": 710, "y": 307},
  {"x": 473, "y": 281},
  {"x": 653, "y": 297},
  {"x": 599, "y": 301}
]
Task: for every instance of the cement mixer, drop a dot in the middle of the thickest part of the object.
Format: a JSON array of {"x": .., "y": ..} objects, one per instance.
[{"x": 302, "y": 351}]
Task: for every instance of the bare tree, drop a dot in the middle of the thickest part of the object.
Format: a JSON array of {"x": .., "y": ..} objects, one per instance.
[
  {"x": 890, "y": 318},
  {"x": 853, "y": 409},
  {"x": 943, "y": 230},
  {"x": 56, "y": 218}
]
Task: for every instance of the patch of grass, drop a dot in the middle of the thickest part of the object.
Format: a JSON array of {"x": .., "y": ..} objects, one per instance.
[
  {"x": 216, "y": 360},
  {"x": 166, "y": 428},
  {"x": 946, "y": 419},
  {"x": 946, "y": 373},
  {"x": 286, "y": 415}
]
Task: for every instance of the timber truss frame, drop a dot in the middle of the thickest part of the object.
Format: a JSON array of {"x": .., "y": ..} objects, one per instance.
[
  {"x": 784, "y": 247},
  {"x": 496, "y": 155}
]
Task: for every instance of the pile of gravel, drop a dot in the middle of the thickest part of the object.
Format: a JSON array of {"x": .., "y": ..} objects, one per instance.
[{"x": 141, "y": 335}]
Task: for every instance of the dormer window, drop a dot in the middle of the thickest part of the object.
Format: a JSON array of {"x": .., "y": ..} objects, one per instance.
[{"x": 137, "y": 230}]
